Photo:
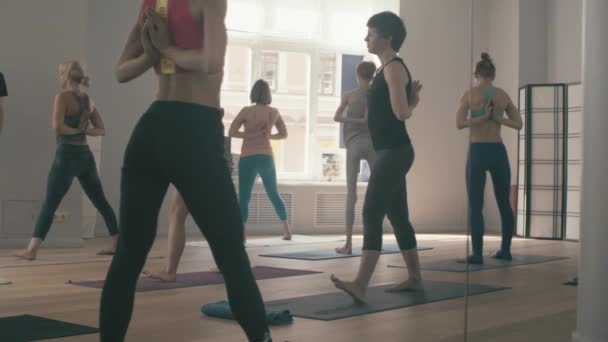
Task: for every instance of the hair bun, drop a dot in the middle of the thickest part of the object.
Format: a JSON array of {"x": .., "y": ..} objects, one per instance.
[{"x": 486, "y": 57}]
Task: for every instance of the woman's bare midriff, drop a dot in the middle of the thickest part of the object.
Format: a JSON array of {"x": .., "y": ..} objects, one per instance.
[{"x": 192, "y": 87}]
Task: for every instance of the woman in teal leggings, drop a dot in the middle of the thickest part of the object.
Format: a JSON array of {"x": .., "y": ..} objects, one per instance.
[{"x": 256, "y": 152}]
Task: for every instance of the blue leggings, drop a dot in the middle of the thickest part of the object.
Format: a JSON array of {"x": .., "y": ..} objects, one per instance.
[
  {"x": 490, "y": 157},
  {"x": 249, "y": 168}
]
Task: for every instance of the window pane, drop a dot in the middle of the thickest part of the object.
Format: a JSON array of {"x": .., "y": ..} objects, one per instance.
[
  {"x": 270, "y": 68},
  {"x": 245, "y": 15},
  {"x": 237, "y": 70},
  {"x": 327, "y": 75},
  {"x": 291, "y": 98}
]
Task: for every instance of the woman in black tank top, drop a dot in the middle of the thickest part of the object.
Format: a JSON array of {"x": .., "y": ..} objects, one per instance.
[{"x": 391, "y": 100}]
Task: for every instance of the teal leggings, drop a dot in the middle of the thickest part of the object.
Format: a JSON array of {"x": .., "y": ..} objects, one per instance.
[{"x": 249, "y": 168}]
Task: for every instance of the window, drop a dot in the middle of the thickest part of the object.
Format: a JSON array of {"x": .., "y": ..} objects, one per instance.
[
  {"x": 270, "y": 68},
  {"x": 327, "y": 76},
  {"x": 300, "y": 49}
]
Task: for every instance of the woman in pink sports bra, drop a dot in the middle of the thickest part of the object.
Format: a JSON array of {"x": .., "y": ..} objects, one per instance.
[{"x": 179, "y": 140}]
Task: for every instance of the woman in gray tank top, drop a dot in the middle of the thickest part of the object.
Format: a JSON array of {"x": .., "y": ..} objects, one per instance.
[{"x": 357, "y": 141}]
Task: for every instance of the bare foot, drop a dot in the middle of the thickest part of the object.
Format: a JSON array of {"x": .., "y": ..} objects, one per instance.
[
  {"x": 25, "y": 255},
  {"x": 287, "y": 236},
  {"x": 161, "y": 275},
  {"x": 351, "y": 288},
  {"x": 408, "y": 285},
  {"x": 111, "y": 249},
  {"x": 347, "y": 249},
  {"x": 107, "y": 251},
  {"x": 215, "y": 269}
]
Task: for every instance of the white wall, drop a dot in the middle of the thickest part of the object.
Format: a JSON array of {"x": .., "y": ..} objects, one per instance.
[
  {"x": 438, "y": 52},
  {"x": 564, "y": 36},
  {"x": 32, "y": 49},
  {"x": 533, "y": 32}
]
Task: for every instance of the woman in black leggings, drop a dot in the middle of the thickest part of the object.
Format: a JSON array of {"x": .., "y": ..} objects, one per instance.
[
  {"x": 72, "y": 116},
  {"x": 392, "y": 98},
  {"x": 179, "y": 140}
]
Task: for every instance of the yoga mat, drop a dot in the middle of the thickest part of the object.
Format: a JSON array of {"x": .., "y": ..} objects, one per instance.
[
  {"x": 451, "y": 265},
  {"x": 277, "y": 241},
  {"x": 336, "y": 305},
  {"x": 33, "y": 328},
  {"x": 326, "y": 254},
  {"x": 145, "y": 284}
]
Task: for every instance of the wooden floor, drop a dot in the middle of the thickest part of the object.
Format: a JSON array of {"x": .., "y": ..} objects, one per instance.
[{"x": 537, "y": 308}]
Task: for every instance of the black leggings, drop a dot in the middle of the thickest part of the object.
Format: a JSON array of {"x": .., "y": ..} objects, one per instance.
[
  {"x": 387, "y": 195},
  {"x": 183, "y": 144},
  {"x": 492, "y": 157},
  {"x": 73, "y": 161}
]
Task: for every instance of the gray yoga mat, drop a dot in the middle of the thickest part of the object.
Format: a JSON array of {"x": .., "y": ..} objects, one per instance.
[
  {"x": 451, "y": 265},
  {"x": 145, "y": 284},
  {"x": 326, "y": 254},
  {"x": 336, "y": 305}
]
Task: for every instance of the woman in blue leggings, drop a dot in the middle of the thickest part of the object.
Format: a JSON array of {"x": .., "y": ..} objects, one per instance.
[
  {"x": 487, "y": 106},
  {"x": 256, "y": 151}
]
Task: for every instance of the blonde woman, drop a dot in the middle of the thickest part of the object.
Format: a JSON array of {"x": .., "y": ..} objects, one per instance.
[{"x": 73, "y": 115}]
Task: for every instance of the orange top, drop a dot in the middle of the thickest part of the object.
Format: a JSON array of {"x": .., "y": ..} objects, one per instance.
[{"x": 257, "y": 117}]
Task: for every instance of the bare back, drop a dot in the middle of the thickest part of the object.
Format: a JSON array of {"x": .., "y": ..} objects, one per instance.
[{"x": 488, "y": 131}]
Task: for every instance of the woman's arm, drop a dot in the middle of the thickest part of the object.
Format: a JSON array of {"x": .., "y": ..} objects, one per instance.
[
  {"x": 513, "y": 118},
  {"x": 338, "y": 116},
  {"x": 281, "y": 129},
  {"x": 208, "y": 60},
  {"x": 98, "y": 129},
  {"x": 397, "y": 78},
  {"x": 137, "y": 57}
]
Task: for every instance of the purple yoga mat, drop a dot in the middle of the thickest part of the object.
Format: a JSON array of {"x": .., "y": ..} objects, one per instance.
[{"x": 199, "y": 279}]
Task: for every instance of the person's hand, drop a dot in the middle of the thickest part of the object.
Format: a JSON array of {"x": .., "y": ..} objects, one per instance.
[
  {"x": 497, "y": 115},
  {"x": 488, "y": 110},
  {"x": 158, "y": 30},
  {"x": 83, "y": 124},
  {"x": 149, "y": 49},
  {"x": 416, "y": 97}
]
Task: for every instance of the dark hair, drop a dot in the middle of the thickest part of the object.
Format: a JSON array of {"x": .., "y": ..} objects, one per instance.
[
  {"x": 485, "y": 67},
  {"x": 365, "y": 70},
  {"x": 389, "y": 25},
  {"x": 260, "y": 93}
]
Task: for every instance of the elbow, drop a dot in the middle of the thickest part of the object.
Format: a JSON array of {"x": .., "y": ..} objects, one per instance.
[{"x": 120, "y": 75}]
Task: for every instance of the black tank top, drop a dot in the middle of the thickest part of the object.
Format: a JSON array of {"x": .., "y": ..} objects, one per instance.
[
  {"x": 386, "y": 130},
  {"x": 74, "y": 120}
]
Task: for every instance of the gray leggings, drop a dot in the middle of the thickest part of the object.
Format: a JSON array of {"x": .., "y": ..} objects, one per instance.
[
  {"x": 358, "y": 149},
  {"x": 387, "y": 195}
]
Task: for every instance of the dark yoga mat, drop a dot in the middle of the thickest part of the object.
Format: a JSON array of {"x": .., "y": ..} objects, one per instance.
[
  {"x": 33, "y": 328},
  {"x": 200, "y": 279},
  {"x": 336, "y": 305},
  {"x": 450, "y": 265},
  {"x": 326, "y": 254}
]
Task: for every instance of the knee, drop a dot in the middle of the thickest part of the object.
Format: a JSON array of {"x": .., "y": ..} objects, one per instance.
[{"x": 372, "y": 238}]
